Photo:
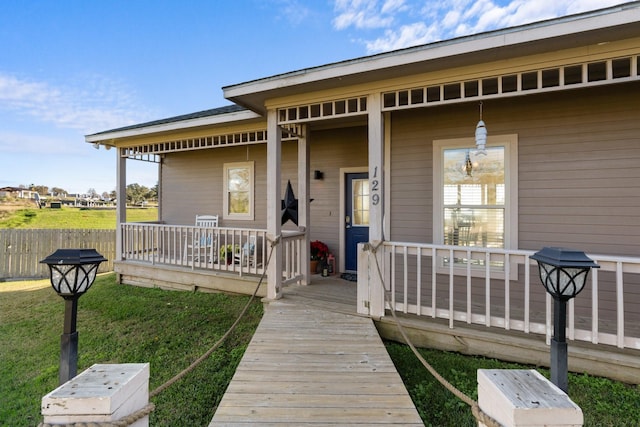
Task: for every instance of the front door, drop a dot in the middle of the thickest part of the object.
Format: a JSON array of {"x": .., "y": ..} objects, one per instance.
[{"x": 357, "y": 217}]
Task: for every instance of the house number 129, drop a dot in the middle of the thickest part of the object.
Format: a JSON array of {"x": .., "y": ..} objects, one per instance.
[{"x": 375, "y": 187}]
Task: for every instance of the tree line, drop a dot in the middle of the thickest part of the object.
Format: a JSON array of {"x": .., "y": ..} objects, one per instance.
[{"x": 136, "y": 193}]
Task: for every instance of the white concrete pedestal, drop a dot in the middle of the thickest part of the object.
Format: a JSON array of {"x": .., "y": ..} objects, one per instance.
[
  {"x": 101, "y": 393},
  {"x": 525, "y": 398}
]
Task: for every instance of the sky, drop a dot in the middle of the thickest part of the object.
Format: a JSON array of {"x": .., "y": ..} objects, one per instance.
[{"x": 70, "y": 68}]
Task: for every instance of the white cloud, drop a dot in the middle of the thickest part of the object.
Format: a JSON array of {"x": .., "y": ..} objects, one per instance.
[
  {"x": 293, "y": 11},
  {"x": 390, "y": 6},
  {"x": 365, "y": 14},
  {"x": 451, "y": 19},
  {"x": 407, "y": 35},
  {"x": 486, "y": 15},
  {"x": 411, "y": 22},
  {"x": 100, "y": 104}
]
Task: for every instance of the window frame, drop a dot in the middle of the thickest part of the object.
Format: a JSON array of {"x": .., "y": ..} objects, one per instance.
[
  {"x": 510, "y": 144},
  {"x": 249, "y": 216}
]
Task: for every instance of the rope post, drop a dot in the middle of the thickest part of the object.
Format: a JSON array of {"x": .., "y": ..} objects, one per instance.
[
  {"x": 370, "y": 255},
  {"x": 523, "y": 397},
  {"x": 364, "y": 288},
  {"x": 101, "y": 394}
]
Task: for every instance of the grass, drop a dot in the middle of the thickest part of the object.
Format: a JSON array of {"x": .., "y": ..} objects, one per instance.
[
  {"x": 69, "y": 217},
  {"x": 122, "y": 324},
  {"x": 603, "y": 402},
  {"x": 125, "y": 324}
]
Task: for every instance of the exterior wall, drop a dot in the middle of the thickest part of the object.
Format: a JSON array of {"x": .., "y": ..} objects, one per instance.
[
  {"x": 192, "y": 184},
  {"x": 192, "y": 181},
  {"x": 332, "y": 150},
  {"x": 579, "y": 185}
]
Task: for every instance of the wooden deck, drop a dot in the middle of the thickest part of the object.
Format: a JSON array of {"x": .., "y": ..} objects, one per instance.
[{"x": 314, "y": 365}]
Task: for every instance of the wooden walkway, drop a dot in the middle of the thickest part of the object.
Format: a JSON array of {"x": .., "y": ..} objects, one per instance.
[{"x": 311, "y": 366}]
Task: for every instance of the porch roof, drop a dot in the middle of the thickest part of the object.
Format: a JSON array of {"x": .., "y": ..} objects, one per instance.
[
  {"x": 221, "y": 115},
  {"x": 590, "y": 28}
]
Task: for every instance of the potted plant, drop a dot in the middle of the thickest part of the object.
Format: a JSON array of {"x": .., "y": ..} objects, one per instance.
[
  {"x": 227, "y": 252},
  {"x": 319, "y": 253}
]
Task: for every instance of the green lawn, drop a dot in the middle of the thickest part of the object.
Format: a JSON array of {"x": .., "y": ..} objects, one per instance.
[
  {"x": 122, "y": 324},
  {"x": 169, "y": 329},
  {"x": 69, "y": 217},
  {"x": 604, "y": 403}
]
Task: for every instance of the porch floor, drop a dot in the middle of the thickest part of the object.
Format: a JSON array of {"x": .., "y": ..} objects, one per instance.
[{"x": 312, "y": 363}]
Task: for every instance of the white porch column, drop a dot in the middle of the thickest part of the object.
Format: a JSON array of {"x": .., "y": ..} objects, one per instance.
[
  {"x": 274, "y": 226},
  {"x": 304, "y": 220},
  {"x": 160, "y": 164},
  {"x": 376, "y": 202},
  {"x": 121, "y": 198}
]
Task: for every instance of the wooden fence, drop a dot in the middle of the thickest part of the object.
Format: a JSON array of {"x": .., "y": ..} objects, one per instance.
[{"x": 21, "y": 250}]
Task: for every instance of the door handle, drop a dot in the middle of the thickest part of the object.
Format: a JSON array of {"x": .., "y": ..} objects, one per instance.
[{"x": 347, "y": 221}]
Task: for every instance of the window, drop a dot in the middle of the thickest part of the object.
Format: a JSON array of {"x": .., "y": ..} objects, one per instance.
[
  {"x": 475, "y": 198},
  {"x": 360, "y": 197},
  {"x": 238, "y": 189}
]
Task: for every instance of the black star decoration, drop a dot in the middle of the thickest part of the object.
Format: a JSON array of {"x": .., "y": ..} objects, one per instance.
[{"x": 289, "y": 206}]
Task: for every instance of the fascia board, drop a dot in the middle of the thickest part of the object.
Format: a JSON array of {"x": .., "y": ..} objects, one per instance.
[{"x": 219, "y": 119}]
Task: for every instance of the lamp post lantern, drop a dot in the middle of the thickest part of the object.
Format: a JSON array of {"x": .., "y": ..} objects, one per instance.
[
  {"x": 563, "y": 273},
  {"x": 72, "y": 272}
]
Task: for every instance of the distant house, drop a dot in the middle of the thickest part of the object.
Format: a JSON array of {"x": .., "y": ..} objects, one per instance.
[
  {"x": 386, "y": 147},
  {"x": 61, "y": 195},
  {"x": 17, "y": 192}
]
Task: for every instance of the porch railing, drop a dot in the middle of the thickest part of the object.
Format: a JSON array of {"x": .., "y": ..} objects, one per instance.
[
  {"x": 501, "y": 288},
  {"x": 291, "y": 256},
  {"x": 224, "y": 249}
]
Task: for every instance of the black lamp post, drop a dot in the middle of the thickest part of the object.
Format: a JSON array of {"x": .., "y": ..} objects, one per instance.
[
  {"x": 72, "y": 272},
  {"x": 563, "y": 273}
]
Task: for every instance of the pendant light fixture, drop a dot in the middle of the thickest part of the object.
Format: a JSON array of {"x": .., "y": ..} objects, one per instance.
[{"x": 481, "y": 136}]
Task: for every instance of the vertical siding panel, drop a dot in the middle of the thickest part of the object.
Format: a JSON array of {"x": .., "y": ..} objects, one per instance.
[
  {"x": 5, "y": 253},
  {"x": 32, "y": 247},
  {"x": 24, "y": 254}
]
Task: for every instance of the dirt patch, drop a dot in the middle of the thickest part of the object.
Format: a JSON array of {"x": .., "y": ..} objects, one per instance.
[
  {"x": 13, "y": 205},
  {"x": 7, "y": 207},
  {"x": 24, "y": 285}
]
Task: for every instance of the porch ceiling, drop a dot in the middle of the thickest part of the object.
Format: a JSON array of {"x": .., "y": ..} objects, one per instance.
[{"x": 592, "y": 28}]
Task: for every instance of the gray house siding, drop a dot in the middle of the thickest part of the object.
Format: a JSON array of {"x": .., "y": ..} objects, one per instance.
[
  {"x": 192, "y": 182},
  {"x": 578, "y": 183}
]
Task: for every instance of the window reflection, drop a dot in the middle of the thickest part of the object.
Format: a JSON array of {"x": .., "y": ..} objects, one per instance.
[
  {"x": 239, "y": 185},
  {"x": 360, "y": 197},
  {"x": 474, "y": 198}
]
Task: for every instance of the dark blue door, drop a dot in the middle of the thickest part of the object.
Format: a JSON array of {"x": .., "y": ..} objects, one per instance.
[{"x": 357, "y": 216}]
